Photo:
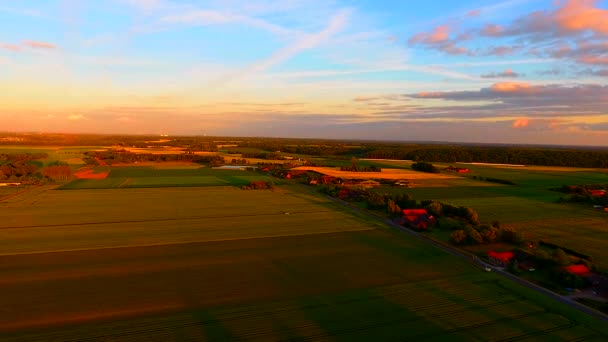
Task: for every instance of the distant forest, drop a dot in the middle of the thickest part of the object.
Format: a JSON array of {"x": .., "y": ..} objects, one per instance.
[{"x": 271, "y": 147}]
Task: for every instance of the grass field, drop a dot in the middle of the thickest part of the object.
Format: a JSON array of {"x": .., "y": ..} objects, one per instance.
[
  {"x": 156, "y": 177},
  {"x": 530, "y": 206},
  {"x": 218, "y": 263},
  {"x": 69, "y": 154}
]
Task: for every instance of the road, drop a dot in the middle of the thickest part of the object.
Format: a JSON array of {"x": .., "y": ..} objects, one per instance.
[{"x": 475, "y": 261}]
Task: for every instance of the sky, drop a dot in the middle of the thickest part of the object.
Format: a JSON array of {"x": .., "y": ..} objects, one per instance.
[{"x": 504, "y": 71}]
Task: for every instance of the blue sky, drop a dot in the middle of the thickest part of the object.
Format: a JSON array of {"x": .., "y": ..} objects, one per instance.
[{"x": 514, "y": 71}]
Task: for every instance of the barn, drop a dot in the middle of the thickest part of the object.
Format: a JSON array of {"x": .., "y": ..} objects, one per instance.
[
  {"x": 579, "y": 270},
  {"x": 500, "y": 258},
  {"x": 418, "y": 218}
]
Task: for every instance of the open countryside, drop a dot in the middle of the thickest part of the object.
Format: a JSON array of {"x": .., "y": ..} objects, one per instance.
[
  {"x": 209, "y": 259},
  {"x": 181, "y": 267}
]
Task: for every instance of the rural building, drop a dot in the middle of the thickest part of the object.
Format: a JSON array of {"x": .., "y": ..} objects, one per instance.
[
  {"x": 597, "y": 193},
  {"x": 404, "y": 183},
  {"x": 10, "y": 184},
  {"x": 417, "y": 218},
  {"x": 500, "y": 258},
  {"x": 369, "y": 183},
  {"x": 295, "y": 173},
  {"x": 325, "y": 179},
  {"x": 457, "y": 169},
  {"x": 579, "y": 270},
  {"x": 525, "y": 260}
]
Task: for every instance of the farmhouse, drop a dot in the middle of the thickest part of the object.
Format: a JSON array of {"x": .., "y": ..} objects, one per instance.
[
  {"x": 9, "y": 184},
  {"x": 500, "y": 258},
  {"x": 417, "y": 218},
  {"x": 404, "y": 183},
  {"x": 295, "y": 173},
  {"x": 579, "y": 270},
  {"x": 597, "y": 193},
  {"x": 368, "y": 183},
  {"x": 457, "y": 169},
  {"x": 325, "y": 179}
]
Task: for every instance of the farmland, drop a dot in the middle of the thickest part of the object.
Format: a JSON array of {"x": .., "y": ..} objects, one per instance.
[
  {"x": 530, "y": 206},
  {"x": 220, "y": 263},
  {"x": 152, "y": 177},
  {"x": 393, "y": 174}
]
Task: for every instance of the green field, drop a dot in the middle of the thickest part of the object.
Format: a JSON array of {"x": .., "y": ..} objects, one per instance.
[
  {"x": 219, "y": 263},
  {"x": 155, "y": 177},
  {"x": 530, "y": 206},
  {"x": 69, "y": 154}
]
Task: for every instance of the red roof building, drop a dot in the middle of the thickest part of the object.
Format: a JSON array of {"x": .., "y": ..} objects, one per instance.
[
  {"x": 597, "y": 193},
  {"x": 579, "y": 270},
  {"x": 418, "y": 218},
  {"x": 500, "y": 258}
]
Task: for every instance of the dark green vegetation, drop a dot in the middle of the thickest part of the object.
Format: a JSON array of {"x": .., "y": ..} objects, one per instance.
[
  {"x": 425, "y": 167},
  {"x": 228, "y": 264}
]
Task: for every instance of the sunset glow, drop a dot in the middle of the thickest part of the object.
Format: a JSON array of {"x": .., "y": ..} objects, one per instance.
[{"x": 507, "y": 71}]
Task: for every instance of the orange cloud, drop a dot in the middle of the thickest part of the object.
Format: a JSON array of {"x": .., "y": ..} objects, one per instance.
[
  {"x": 521, "y": 123},
  {"x": 506, "y": 87},
  {"x": 581, "y": 15},
  {"x": 506, "y": 73},
  {"x": 10, "y": 47},
  {"x": 492, "y": 30},
  {"x": 440, "y": 34},
  {"x": 39, "y": 45}
]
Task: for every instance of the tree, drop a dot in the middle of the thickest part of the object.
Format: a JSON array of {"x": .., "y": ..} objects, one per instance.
[
  {"x": 458, "y": 236},
  {"x": 509, "y": 235},
  {"x": 489, "y": 234},
  {"x": 435, "y": 208},
  {"x": 560, "y": 257},
  {"x": 473, "y": 235},
  {"x": 471, "y": 216}
]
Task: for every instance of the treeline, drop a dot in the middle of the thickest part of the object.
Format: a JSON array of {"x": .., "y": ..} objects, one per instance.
[
  {"x": 494, "y": 180},
  {"x": 21, "y": 157},
  {"x": 122, "y": 156},
  {"x": 258, "y": 185},
  {"x": 462, "y": 221},
  {"x": 583, "y": 194},
  {"x": 259, "y": 155},
  {"x": 425, "y": 167},
  {"x": 29, "y": 167},
  {"x": 499, "y": 155}
]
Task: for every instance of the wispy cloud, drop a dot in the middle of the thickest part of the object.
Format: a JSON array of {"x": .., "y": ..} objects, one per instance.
[
  {"x": 508, "y": 73},
  {"x": 213, "y": 17},
  {"x": 39, "y": 45},
  {"x": 309, "y": 41}
]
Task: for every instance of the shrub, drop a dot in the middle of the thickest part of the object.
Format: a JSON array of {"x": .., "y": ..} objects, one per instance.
[{"x": 458, "y": 236}]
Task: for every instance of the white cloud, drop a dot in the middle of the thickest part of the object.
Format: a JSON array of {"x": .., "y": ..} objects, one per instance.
[{"x": 213, "y": 17}]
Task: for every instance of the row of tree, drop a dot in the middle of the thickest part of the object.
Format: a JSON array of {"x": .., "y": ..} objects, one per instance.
[
  {"x": 499, "y": 155},
  {"x": 258, "y": 185},
  {"x": 21, "y": 157},
  {"x": 583, "y": 194},
  {"x": 123, "y": 156},
  {"x": 425, "y": 167}
]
